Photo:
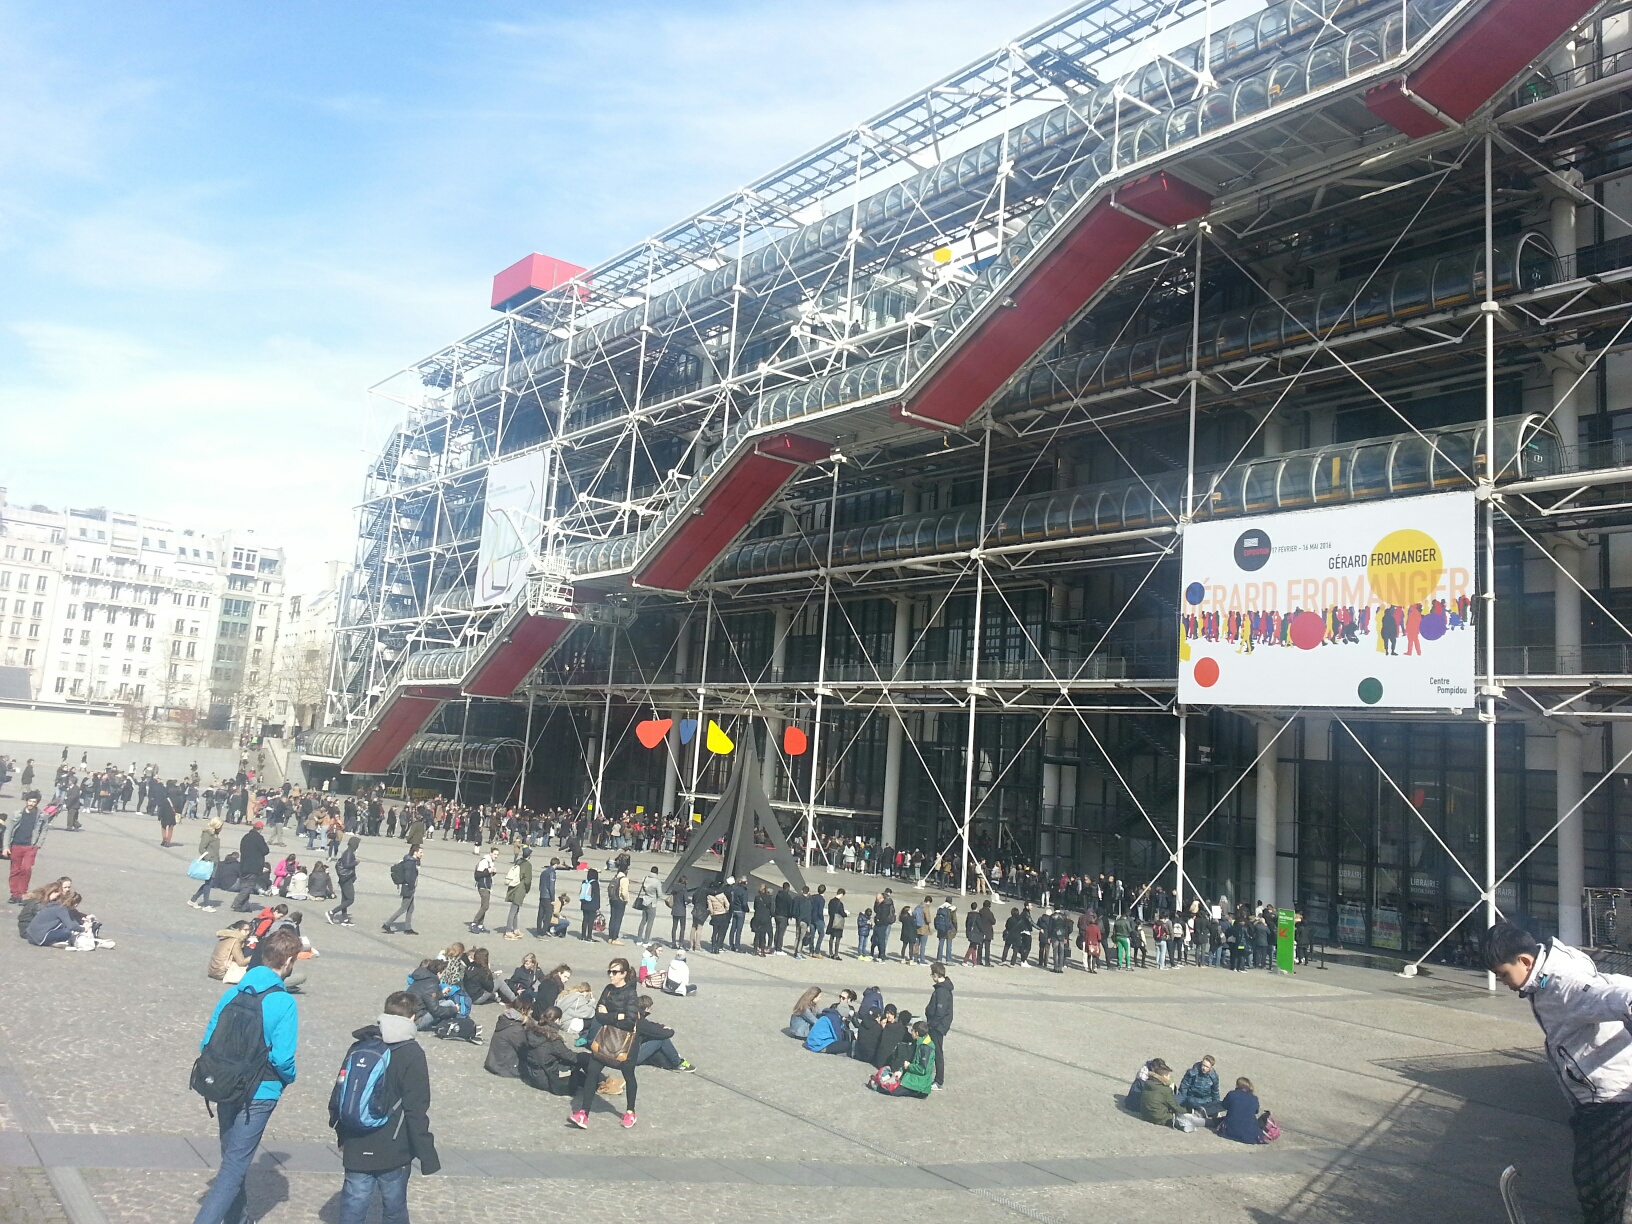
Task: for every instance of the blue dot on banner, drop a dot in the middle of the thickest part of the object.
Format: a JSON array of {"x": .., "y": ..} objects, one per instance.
[
  {"x": 688, "y": 728},
  {"x": 1433, "y": 626},
  {"x": 1195, "y": 593}
]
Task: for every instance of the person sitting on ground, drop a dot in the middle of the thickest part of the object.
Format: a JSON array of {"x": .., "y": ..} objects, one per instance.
[
  {"x": 804, "y": 1014},
  {"x": 42, "y": 896},
  {"x": 1158, "y": 1103},
  {"x": 297, "y": 887},
  {"x": 656, "y": 1042},
  {"x": 1137, "y": 1087},
  {"x": 425, "y": 984},
  {"x": 647, "y": 972},
  {"x": 846, "y": 1005},
  {"x": 552, "y": 984},
  {"x": 57, "y": 923},
  {"x": 829, "y": 1034},
  {"x": 320, "y": 885},
  {"x": 229, "y": 960},
  {"x": 228, "y": 875},
  {"x": 677, "y": 978},
  {"x": 1198, "y": 1090},
  {"x": 511, "y": 1033},
  {"x": 899, "y": 1054},
  {"x": 281, "y": 872},
  {"x": 525, "y": 980},
  {"x": 548, "y": 1063},
  {"x": 481, "y": 983},
  {"x": 917, "y": 1077},
  {"x": 453, "y": 965},
  {"x": 1240, "y": 1120},
  {"x": 869, "y": 1032},
  {"x": 577, "y": 1005},
  {"x": 872, "y": 999}
]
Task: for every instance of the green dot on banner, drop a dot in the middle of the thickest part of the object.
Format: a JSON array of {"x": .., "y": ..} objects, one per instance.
[{"x": 1371, "y": 690}]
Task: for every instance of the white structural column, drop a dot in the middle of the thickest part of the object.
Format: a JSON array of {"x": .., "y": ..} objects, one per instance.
[
  {"x": 671, "y": 766},
  {"x": 894, "y": 730},
  {"x": 1566, "y": 550},
  {"x": 1268, "y": 778},
  {"x": 773, "y": 722}
]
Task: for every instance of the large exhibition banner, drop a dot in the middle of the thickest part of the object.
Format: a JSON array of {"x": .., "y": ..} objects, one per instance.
[
  {"x": 1358, "y": 605},
  {"x": 512, "y": 525}
]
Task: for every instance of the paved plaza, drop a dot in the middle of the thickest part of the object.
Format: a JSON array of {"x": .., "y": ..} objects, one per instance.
[{"x": 1399, "y": 1100}]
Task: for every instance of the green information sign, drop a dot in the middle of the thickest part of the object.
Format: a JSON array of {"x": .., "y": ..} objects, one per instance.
[{"x": 1286, "y": 930}]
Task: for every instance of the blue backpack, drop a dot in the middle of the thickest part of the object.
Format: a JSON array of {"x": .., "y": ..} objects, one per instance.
[{"x": 356, "y": 1104}]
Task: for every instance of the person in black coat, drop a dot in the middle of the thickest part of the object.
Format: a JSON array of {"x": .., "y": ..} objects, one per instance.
[
  {"x": 896, "y": 1032},
  {"x": 619, "y": 1008},
  {"x": 938, "y": 1015},
  {"x": 782, "y": 909},
  {"x": 869, "y": 1032},
  {"x": 383, "y": 1158},
  {"x": 252, "y": 852}
]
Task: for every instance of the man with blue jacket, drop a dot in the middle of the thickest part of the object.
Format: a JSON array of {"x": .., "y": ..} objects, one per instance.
[{"x": 242, "y": 1123}]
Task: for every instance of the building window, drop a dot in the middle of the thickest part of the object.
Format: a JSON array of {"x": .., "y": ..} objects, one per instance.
[
  {"x": 73, "y": 611},
  {"x": 181, "y": 626},
  {"x": 192, "y": 650},
  {"x": 203, "y": 601},
  {"x": 191, "y": 600},
  {"x": 260, "y": 633},
  {"x": 147, "y": 645},
  {"x": 5, "y": 580},
  {"x": 39, "y": 584},
  {"x": 62, "y": 683},
  {"x": 45, "y": 558},
  {"x": 28, "y": 658},
  {"x": 141, "y": 690},
  {"x": 67, "y": 637},
  {"x": 39, "y": 607},
  {"x": 107, "y": 641},
  {"x": 130, "y": 641},
  {"x": 11, "y": 552},
  {"x": 34, "y": 630},
  {"x": 175, "y": 650},
  {"x": 84, "y": 637},
  {"x": 28, "y": 554}
]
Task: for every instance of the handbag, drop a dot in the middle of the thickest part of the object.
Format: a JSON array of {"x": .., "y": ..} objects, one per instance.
[
  {"x": 1270, "y": 1130},
  {"x": 612, "y": 1046},
  {"x": 234, "y": 974},
  {"x": 201, "y": 869},
  {"x": 640, "y": 902}
]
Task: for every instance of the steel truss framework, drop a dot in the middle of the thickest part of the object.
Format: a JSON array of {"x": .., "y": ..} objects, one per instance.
[{"x": 828, "y": 296}]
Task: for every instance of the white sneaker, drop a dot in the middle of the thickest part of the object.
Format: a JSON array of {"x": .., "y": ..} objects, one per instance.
[
  {"x": 105, "y": 943},
  {"x": 195, "y": 904}
]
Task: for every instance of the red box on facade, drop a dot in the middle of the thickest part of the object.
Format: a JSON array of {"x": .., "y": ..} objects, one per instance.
[{"x": 525, "y": 279}]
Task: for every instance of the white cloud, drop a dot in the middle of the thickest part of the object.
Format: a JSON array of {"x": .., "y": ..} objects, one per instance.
[{"x": 132, "y": 253}]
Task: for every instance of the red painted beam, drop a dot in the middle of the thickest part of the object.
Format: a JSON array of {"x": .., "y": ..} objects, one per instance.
[
  {"x": 744, "y": 490},
  {"x": 389, "y": 732},
  {"x": 794, "y": 448},
  {"x": 1496, "y": 44},
  {"x": 508, "y": 666},
  {"x": 1389, "y": 103},
  {"x": 1051, "y": 294}
]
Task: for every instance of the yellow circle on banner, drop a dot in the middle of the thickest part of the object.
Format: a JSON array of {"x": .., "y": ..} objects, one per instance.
[
  {"x": 1405, "y": 567},
  {"x": 942, "y": 255}
]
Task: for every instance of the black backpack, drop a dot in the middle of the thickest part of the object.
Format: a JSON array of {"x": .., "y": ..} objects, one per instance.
[
  {"x": 398, "y": 873},
  {"x": 235, "y": 1060}
]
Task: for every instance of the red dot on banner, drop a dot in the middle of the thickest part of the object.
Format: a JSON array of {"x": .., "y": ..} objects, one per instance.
[
  {"x": 1308, "y": 630},
  {"x": 794, "y": 741},
  {"x": 1205, "y": 672}
]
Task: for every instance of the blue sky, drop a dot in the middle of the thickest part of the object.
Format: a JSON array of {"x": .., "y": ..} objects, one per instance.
[{"x": 220, "y": 222}]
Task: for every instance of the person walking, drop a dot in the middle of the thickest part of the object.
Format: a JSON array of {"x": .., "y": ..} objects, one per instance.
[
  {"x": 938, "y": 1015},
  {"x": 379, "y": 1159},
  {"x": 27, "y": 830},
  {"x": 405, "y": 875},
  {"x": 209, "y": 851},
  {"x": 345, "y": 873},
  {"x": 483, "y": 876},
  {"x": 163, "y": 807},
  {"x": 272, "y": 1008}
]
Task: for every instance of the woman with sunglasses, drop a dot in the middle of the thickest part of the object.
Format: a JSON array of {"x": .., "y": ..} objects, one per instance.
[{"x": 619, "y": 1008}]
